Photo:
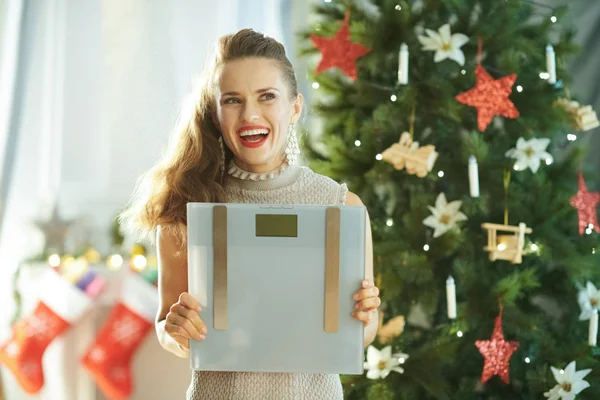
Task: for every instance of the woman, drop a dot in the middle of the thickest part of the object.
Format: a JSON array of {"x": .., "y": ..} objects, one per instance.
[{"x": 236, "y": 143}]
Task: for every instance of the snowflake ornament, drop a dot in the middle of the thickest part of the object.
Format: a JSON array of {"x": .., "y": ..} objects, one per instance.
[
  {"x": 570, "y": 383},
  {"x": 445, "y": 215},
  {"x": 444, "y": 44},
  {"x": 589, "y": 300},
  {"x": 379, "y": 364},
  {"x": 530, "y": 154}
]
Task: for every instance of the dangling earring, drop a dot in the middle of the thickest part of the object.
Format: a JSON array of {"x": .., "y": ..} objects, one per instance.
[
  {"x": 222, "y": 157},
  {"x": 292, "y": 150}
]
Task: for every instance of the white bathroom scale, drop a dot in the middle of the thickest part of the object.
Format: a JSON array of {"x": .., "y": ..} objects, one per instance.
[{"x": 275, "y": 283}]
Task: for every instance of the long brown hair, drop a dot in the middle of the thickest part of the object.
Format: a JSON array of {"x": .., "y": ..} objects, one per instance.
[{"x": 190, "y": 169}]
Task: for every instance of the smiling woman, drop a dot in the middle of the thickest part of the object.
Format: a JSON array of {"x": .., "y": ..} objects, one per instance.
[
  {"x": 236, "y": 143},
  {"x": 257, "y": 109}
]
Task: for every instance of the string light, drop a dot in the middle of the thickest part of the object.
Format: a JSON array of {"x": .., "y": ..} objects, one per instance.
[
  {"x": 379, "y": 157},
  {"x": 501, "y": 246},
  {"x": 393, "y": 98},
  {"x": 315, "y": 85},
  {"x": 534, "y": 247},
  {"x": 357, "y": 143},
  {"x": 548, "y": 161},
  {"x": 115, "y": 261},
  {"x": 398, "y": 7},
  {"x": 553, "y": 19},
  {"x": 401, "y": 360},
  {"x": 463, "y": 71},
  {"x": 441, "y": 174},
  {"x": 571, "y": 137},
  {"x": 516, "y": 167},
  {"x": 459, "y": 334},
  {"x": 589, "y": 229},
  {"x": 594, "y": 250},
  {"x": 527, "y": 360},
  {"x": 139, "y": 262},
  {"x": 54, "y": 260},
  {"x": 544, "y": 75},
  {"x": 389, "y": 222},
  {"x": 426, "y": 247},
  {"x": 519, "y": 88}
]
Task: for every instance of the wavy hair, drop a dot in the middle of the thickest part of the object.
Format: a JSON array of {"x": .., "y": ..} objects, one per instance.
[{"x": 190, "y": 168}]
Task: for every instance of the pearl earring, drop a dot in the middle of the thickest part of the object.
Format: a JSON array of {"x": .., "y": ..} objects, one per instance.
[{"x": 292, "y": 150}]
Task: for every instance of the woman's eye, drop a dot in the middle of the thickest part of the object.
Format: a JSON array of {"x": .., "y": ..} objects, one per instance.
[
  {"x": 268, "y": 96},
  {"x": 231, "y": 100}
]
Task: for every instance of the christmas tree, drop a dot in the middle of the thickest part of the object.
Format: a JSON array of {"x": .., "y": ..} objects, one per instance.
[{"x": 453, "y": 122}]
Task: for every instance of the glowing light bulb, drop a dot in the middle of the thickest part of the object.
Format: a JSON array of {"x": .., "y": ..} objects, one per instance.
[
  {"x": 54, "y": 260},
  {"x": 139, "y": 262},
  {"x": 115, "y": 261}
]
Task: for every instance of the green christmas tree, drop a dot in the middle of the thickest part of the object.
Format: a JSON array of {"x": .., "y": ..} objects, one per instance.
[{"x": 438, "y": 85}]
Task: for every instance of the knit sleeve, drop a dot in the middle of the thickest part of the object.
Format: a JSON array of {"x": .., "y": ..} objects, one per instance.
[{"x": 342, "y": 194}]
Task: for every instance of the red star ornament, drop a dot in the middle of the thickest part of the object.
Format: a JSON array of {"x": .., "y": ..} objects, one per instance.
[
  {"x": 339, "y": 51},
  {"x": 497, "y": 353},
  {"x": 585, "y": 203},
  {"x": 490, "y": 97}
]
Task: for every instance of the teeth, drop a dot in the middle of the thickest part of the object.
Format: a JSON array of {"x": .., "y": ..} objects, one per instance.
[{"x": 255, "y": 132}]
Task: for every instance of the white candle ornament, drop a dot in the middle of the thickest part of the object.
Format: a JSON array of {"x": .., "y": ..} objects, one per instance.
[
  {"x": 551, "y": 64},
  {"x": 473, "y": 177},
  {"x": 403, "y": 65},
  {"x": 451, "y": 297},
  {"x": 593, "y": 332}
]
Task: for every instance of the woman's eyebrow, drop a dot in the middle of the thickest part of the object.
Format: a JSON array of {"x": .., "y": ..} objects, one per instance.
[{"x": 257, "y": 91}]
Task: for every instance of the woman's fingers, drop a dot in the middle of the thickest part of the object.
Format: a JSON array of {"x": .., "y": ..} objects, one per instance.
[
  {"x": 368, "y": 304},
  {"x": 190, "y": 315},
  {"x": 372, "y": 291},
  {"x": 182, "y": 327},
  {"x": 188, "y": 301},
  {"x": 363, "y": 316}
]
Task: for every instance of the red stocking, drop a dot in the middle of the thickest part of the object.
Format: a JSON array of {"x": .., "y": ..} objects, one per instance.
[
  {"x": 109, "y": 359},
  {"x": 61, "y": 304}
]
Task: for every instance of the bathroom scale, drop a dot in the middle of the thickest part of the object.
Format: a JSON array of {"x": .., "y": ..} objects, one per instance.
[{"x": 275, "y": 283}]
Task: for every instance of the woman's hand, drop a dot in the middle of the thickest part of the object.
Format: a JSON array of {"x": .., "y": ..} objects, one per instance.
[
  {"x": 367, "y": 300},
  {"x": 183, "y": 322}
]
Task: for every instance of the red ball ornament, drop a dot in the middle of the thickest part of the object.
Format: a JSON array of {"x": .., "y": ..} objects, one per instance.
[
  {"x": 497, "y": 353},
  {"x": 585, "y": 203},
  {"x": 490, "y": 97},
  {"x": 339, "y": 51}
]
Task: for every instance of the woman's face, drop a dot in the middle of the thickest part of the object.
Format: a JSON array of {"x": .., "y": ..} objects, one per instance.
[{"x": 254, "y": 112}]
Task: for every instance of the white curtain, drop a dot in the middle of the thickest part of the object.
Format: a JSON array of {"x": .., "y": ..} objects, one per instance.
[{"x": 102, "y": 82}]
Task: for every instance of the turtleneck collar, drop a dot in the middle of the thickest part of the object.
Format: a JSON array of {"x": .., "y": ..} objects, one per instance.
[{"x": 282, "y": 176}]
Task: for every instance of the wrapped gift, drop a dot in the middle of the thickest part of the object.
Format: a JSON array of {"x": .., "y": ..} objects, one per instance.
[{"x": 275, "y": 283}]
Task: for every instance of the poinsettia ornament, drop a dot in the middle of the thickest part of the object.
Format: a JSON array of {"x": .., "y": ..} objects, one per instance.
[
  {"x": 445, "y": 45},
  {"x": 379, "y": 364},
  {"x": 530, "y": 153},
  {"x": 570, "y": 382},
  {"x": 445, "y": 216}
]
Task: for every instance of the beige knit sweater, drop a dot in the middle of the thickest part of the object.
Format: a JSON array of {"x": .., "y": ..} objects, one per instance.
[{"x": 296, "y": 185}]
